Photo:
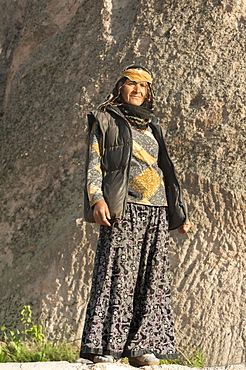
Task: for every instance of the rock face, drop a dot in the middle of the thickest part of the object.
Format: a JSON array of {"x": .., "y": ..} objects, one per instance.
[
  {"x": 64, "y": 365},
  {"x": 57, "y": 55}
]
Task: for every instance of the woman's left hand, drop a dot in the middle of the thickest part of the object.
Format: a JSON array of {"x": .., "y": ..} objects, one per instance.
[{"x": 184, "y": 228}]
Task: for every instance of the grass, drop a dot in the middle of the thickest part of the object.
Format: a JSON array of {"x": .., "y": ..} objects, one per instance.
[
  {"x": 63, "y": 351},
  {"x": 32, "y": 352},
  {"x": 30, "y": 345},
  {"x": 26, "y": 352},
  {"x": 197, "y": 360}
]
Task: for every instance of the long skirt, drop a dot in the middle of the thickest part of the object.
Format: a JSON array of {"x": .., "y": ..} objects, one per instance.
[{"x": 129, "y": 312}]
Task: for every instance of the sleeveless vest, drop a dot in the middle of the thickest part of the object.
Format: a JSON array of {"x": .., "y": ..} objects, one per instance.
[{"x": 115, "y": 166}]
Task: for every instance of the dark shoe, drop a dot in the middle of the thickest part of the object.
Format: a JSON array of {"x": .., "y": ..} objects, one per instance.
[
  {"x": 144, "y": 360},
  {"x": 103, "y": 359}
]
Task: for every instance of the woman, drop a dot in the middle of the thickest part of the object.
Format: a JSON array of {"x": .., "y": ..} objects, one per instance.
[{"x": 133, "y": 193}]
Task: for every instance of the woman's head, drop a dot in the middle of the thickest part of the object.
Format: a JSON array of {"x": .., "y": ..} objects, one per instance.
[{"x": 132, "y": 87}]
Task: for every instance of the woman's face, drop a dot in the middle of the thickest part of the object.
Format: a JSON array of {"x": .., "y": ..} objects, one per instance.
[{"x": 134, "y": 92}]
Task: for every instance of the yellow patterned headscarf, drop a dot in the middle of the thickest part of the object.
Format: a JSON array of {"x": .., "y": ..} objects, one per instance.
[{"x": 137, "y": 75}]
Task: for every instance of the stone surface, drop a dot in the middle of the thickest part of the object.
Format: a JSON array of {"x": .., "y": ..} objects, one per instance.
[
  {"x": 57, "y": 55},
  {"x": 63, "y": 365}
]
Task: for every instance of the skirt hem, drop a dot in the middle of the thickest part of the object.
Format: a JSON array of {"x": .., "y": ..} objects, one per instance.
[{"x": 87, "y": 353}]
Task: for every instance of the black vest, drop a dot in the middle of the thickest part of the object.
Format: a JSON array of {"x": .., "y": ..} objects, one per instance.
[{"x": 115, "y": 166}]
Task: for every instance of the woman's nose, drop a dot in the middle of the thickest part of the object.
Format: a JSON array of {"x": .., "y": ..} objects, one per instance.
[{"x": 137, "y": 88}]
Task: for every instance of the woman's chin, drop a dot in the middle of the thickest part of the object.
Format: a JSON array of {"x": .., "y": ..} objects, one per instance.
[{"x": 135, "y": 101}]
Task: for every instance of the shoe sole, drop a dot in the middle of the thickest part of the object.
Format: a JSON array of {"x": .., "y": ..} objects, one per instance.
[
  {"x": 137, "y": 363},
  {"x": 98, "y": 361}
]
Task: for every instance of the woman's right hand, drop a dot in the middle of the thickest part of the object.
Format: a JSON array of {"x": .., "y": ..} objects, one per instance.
[{"x": 101, "y": 213}]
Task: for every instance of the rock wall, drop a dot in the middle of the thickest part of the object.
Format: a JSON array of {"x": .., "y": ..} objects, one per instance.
[{"x": 59, "y": 55}]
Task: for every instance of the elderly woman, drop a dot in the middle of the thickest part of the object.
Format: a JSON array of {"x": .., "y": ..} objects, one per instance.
[{"x": 133, "y": 193}]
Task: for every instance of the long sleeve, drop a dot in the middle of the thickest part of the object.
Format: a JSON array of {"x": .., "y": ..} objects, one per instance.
[{"x": 94, "y": 176}]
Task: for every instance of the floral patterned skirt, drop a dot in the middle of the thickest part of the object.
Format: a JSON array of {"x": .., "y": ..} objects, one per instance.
[{"x": 129, "y": 312}]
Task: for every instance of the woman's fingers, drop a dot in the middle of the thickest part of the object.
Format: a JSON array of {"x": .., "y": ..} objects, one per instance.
[
  {"x": 184, "y": 228},
  {"x": 101, "y": 213}
]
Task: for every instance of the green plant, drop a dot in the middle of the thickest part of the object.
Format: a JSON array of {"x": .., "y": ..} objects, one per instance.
[
  {"x": 29, "y": 345},
  {"x": 3, "y": 355},
  {"x": 26, "y": 318},
  {"x": 197, "y": 360},
  {"x": 35, "y": 332}
]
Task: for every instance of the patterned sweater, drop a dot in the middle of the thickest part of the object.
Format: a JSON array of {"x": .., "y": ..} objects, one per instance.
[{"x": 146, "y": 185}]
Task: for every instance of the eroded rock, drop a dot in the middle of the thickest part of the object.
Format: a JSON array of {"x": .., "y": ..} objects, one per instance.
[{"x": 59, "y": 54}]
